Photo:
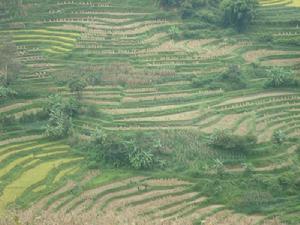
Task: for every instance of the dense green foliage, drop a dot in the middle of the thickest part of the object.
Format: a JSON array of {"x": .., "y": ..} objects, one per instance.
[
  {"x": 132, "y": 95},
  {"x": 224, "y": 139},
  {"x": 231, "y": 79},
  {"x": 239, "y": 13},
  {"x": 60, "y": 113},
  {"x": 229, "y": 13},
  {"x": 140, "y": 151},
  {"x": 279, "y": 77}
]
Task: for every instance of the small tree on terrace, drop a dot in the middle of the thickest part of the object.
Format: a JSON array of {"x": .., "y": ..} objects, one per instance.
[
  {"x": 76, "y": 86},
  {"x": 238, "y": 13},
  {"x": 60, "y": 113}
]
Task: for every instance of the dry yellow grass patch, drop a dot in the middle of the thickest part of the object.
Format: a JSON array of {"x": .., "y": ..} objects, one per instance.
[
  {"x": 155, "y": 38},
  {"x": 155, "y": 204},
  {"x": 139, "y": 90},
  {"x": 195, "y": 44},
  {"x": 154, "y": 128},
  {"x": 18, "y": 115},
  {"x": 254, "y": 55},
  {"x": 166, "y": 182},
  {"x": 21, "y": 139},
  {"x": 281, "y": 62},
  {"x": 243, "y": 128},
  {"x": 88, "y": 195},
  {"x": 159, "y": 96},
  {"x": 172, "y": 117},
  {"x": 201, "y": 211},
  {"x": 91, "y": 94},
  {"x": 100, "y": 102},
  {"x": 132, "y": 31},
  {"x": 254, "y": 97},
  {"x": 116, "y": 20},
  {"x": 208, "y": 120},
  {"x": 227, "y": 217},
  {"x": 266, "y": 135},
  {"x": 182, "y": 207},
  {"x": 122, "y": 202},
  {"x": 138, "y": 110},
  {"x": 226, "y": 122},
  {"x": 90, "y": 218},
  {"x": 14, "y": 106}
]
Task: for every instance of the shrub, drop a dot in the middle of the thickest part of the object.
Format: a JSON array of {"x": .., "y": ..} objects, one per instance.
[
  {"x": 279, "y": 77},
  {"x": 76, "y": 86},
  {"x": 234, "y": 77},
  {"x": 231, "y": 79},
  {"x": 224, "y": 139},
  {"x": 7, "y": 120},
  {"x": 6, "y": 92},
  {"x": 279, "y": 137},
  {"x": 140, "y": 151},
  {"x": 174, "y": 32}
]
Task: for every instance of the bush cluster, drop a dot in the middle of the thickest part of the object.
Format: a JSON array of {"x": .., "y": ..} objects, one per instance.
[
  {"x": 60, "y": 112},
  {"x": 279, "y": 77},
  {"x": 140, "y": 151},
  {"x": 225, "y": 139},
  {"x": 228, "y": 13},
  {"x": 231, "y": 79}
]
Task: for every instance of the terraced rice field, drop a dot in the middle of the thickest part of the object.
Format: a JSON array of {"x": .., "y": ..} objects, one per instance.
[{"x": 35, "y": 172}]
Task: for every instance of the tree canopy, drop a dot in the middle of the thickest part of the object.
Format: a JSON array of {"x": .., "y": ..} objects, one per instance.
[{"x": 238, "y": 13}]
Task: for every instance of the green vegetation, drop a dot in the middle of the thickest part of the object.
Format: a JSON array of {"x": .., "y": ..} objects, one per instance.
[
  {"x": 209, "y": 14},
  {"x": 150, "y": 111},
  {"x": 223, "y": 139},
  {"x": 239, "y": 13},
  {"x": 60, "y": 112},
  {"x": 139, "y": 151},
  {"x": 280, "y": 78}
]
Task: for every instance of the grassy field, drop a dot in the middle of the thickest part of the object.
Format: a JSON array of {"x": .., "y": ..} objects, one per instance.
[{"x": 40, "y": 175}]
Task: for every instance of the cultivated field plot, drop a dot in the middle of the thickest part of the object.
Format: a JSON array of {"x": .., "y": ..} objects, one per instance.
[{"x": 143, "y": 80}]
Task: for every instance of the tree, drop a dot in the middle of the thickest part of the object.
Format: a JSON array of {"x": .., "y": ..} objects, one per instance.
[
  {"x": 233, "y": 77},
  {"x": 238, "y": 13},
  {"x": 225, "y": 139},
  {"x": 7, "y": 93},
  {"x": 59, "y": 124},
  {"x": 69, "y": 106},
  {"x": 60, "y": 112},
  {"x": 76, "y": 86},
  {"x": 9, "y": 65},
  {"x": 174, "y": 32}
]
